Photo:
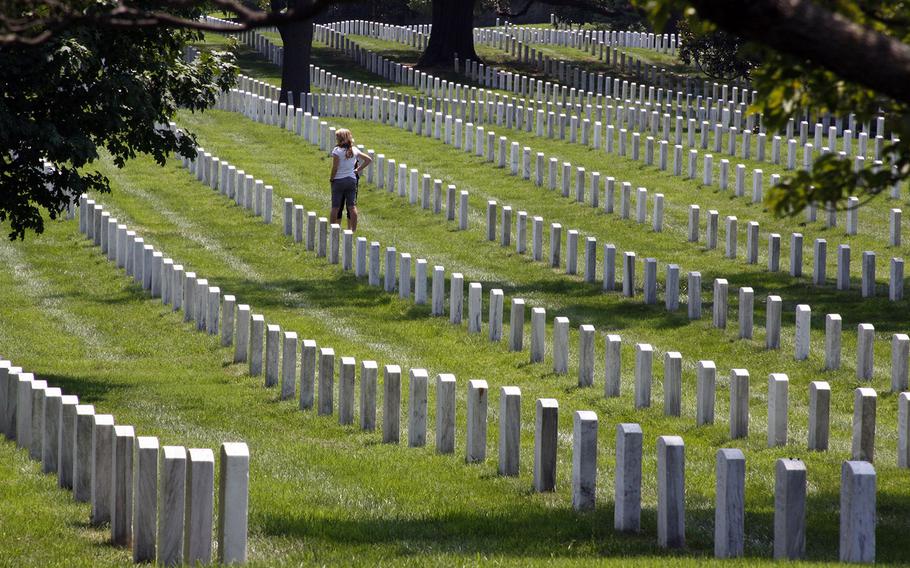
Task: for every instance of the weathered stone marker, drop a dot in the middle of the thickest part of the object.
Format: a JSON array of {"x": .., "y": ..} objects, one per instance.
[
  {"x": 346, "y": 390},
  {"x": 233, "y": 503},
  {"x": 832, "y": 341},
  {"x": 644, "y": 357},
  {"x": 171, "y": 506},
  {"x": 773, "y": 312},
  {"x": 65, "y": 435},
  {"x": 121, "y": 488},
  {"x": 517, "y": 325},
  {"x": 819, "y": 415},
  {"x": 612, "y": 365},
  {"x": 778, "y": 393},
  {"x": 739, "y": 403},
  {"x": 705, "y": 385},
  {"x": 903, "y": 430},
  {"x": 730, "y": 503},
  {"x": 672, "y": 383},
  {"x": 545, "y": 444},
  {"x": 857, "y": 512},
  {"x": 584, "y": 460},
  {"x": 865, "y": 335},
  {"x": 102, "y": 464},
  {"x": 326, "y": 381},
  {"x": 627, "y": 511},
  {"x": 538, "y": 334},
  {"x": 200, "y": 497},
  {"x": 509, "y": 430},
  {"x": 391, "y": 404},
  {"x": 721, "y": 288},
  {"x": 369, "y": 372},
  {"x": 476, "y": 437},
  {"x": 307, "y": 374},
  {"x": 586, "y": 338},
  {"x": 671, "y": 491},
  {"x": 417, "y": 408},
  {"x": 900, "y": 351},
  {"x": 789, "y": 509},
  {"x": 445, "y": 413},
  {"x": 561, "y": 345},
  {"x": 864, "y": 403},
  {"x": 257, "y": 330},
  {"x": 145, "y": 499},
  {"x": 82, "y": 453},
  {"x": 272, "y": 346}
]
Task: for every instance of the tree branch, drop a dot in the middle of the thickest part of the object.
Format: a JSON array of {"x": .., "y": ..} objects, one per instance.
[
  {"x": 35, "y": 31},
  {"x": 803, "y": 28}
]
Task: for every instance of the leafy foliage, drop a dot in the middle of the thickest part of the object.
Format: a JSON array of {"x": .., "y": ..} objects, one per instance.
[
  {"x": 788, "y": 86},
  {"x": 716, "y": 53},
  {"x": 89, "y": 89}
]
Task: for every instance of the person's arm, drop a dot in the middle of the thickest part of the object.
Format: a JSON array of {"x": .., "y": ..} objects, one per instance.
[
  {"x": 366, "y": 160},
  {"x": 334, "y": 167}
]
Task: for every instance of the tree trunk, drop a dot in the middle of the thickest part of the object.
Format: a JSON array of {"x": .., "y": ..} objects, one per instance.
[
  {"x": 452, "y": 34},
  {"x": 295, "y": 69}
]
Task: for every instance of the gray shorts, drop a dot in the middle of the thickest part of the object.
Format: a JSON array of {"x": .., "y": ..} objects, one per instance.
[{"x": 344, "y": 192}]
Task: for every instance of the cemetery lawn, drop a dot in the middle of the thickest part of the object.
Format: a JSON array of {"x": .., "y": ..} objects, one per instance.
[{"x": 321, "y": 493}]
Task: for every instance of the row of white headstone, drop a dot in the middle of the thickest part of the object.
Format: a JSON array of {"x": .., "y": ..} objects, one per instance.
[
  {"x": 650, "y": 285},
  {"x": 587, "y": 82},
  {"x": 451, "y": 133},
  {"x": 586, "y": 332},
  {"x": 168, "y": 513}
]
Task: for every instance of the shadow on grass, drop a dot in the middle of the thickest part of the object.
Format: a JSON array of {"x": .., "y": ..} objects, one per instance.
[
  {"x": 532, "y": 529},
  {"x": 89, "y": 390}
]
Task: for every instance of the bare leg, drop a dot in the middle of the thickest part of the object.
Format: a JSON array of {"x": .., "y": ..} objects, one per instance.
[
  {"x": 334, "y": 215},
  {"x": 352, "y": 218}
]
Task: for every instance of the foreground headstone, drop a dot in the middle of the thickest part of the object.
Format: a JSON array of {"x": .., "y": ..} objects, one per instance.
[
  {"x": 509, "y": 430},
  {"x": 545, "y": 444},
  {"x": 346, "y": 390},
  {"x": 671, "y": 490},
  {"x": 857, "y": 512},
  {"x": 369, "y": 374},
  {"x": 903, "y": 430},
  {"x": 789, "y": 509},
  {"x": 644, "y": 356},
  {"x": 819, "y": 415},
  {"x": 584, "y": 460},
  {"x": 612, "y": 365},
  {"x": 705, "y": 386},
  {"x": 865, "y": 335},
  {"x": 561, "y": 345},
  {"x": 627, "y": 511},
  {"x": 145, "y": 499},
  {"x": 445, "y": 413},
  {"x": 65, "y": 440},
  {"x": 307, "y": 374},
  {"x": 417, "y": 408},
  {"x": 171, "y": 506},
  {"x": 50, "y": 429},
  {"x": 730, "y": 503},
  {"x": 82, "y": 453},
  {"x": 586, "y": 339},
  {"x": 778, "y": 393},
  {"x": 739, "y": 403},
  {"x": 391, "y": 404},
  {"x": 272, "y": 346},
  {"x": 288, "y": 365},
  {"x": 122, "y": 486},
  {"x": 233, "y": 503},
  {"x": 864, "y": 403},
  {"x": 773, "y": 312},
  {"x": 832, "y": 341},
  {"x": 672, "y": 383},
  {"x": 476, "y": 437},
  {"x": 102, "y": 463},
  {"x": 200, "y": 496},
  {"x": 326, "y": 381}
]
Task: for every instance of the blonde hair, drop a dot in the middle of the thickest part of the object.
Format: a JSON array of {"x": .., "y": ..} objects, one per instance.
[{"x": 344, "y": 139}]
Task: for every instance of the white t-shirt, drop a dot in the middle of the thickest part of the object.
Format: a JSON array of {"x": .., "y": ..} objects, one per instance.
[{"x": 345, "y": 165}]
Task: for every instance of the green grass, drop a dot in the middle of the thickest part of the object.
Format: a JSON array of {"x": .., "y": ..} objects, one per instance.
[{"x": 326, "y": 494}]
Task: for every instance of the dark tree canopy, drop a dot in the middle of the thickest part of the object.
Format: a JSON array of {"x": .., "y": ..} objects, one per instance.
[
  {"x": 89, "y": 90},
  {"x": 718, "y": 54}
]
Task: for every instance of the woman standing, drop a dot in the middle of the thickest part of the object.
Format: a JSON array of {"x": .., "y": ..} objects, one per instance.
[{"x": 347, "y": 163}]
